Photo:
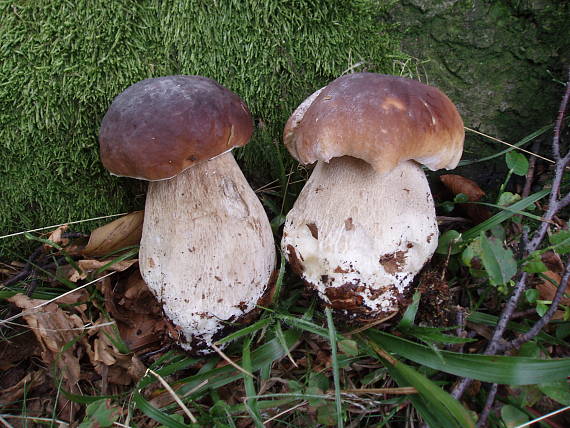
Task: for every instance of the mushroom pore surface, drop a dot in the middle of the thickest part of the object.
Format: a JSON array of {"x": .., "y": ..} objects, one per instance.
[
  {"x": 207, "y": 250},
  {"x": 358, "y": 237}
]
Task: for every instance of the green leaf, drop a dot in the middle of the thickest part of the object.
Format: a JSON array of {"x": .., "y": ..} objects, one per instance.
[
  {"x": 498, "y": 261},
  {"x": 447, "y": 206},
  {"x": 461, "y": 198},
  {"x": 535, "y": 266},
  {"x": 449, "y": 239},
  {"x": 531, "y": 295},
  {"x": 504, "y": 215},
  {"x": 561, "y": 240},
  {"x": 327, "y": 414},
  {"x": 472, "y": 250},
  {"x": 507, "y": 199},
  {"x": 541, "y": 308},
  {"x": 517, "y": 162},
  {"x": 410, "y": 314},
  {"x": 486, "y": 368},
  {"x": 348, "y": 347},
  {"x": 314, "y": 396},
  {"x": 100, "y": 414},
  {"x": 558, "y": 391},
  {"x": 512, "y": 416}
]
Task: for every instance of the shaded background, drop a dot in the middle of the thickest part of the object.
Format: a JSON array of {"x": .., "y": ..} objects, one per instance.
[{"x": 62, "y": 63}]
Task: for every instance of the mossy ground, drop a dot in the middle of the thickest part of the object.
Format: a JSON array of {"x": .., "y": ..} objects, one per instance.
[{"x": 63, "y": 62}]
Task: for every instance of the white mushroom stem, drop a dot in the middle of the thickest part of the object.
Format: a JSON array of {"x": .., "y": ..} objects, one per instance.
[
  {"x": 207, "y": 250},
  {"x": 358, "y": 237}
]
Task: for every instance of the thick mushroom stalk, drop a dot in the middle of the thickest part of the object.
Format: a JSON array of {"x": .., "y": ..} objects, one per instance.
[
  {"x": 358, "y": 237},
  {"x": 364, "y": 225},
  {"x": 207, "y": 249}
]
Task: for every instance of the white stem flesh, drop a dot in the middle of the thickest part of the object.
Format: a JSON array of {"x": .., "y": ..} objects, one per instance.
[
  {"x": 207, "y": 250},
  {"x": 358, "y": 237}
]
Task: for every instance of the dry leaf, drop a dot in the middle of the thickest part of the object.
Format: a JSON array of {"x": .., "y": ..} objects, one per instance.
[
  {"x": 547, "y": 290},
  {"x": 137, "y": 312},
  {"x": 120, "y": 369},
  {"x": 458, "y": 184},
  {"x": 552, "y": 261},
  {"x": 120, "y": 233},
  {"x": 88, "y": 266},
  {"x": 24, "y": 386},
  {"x": 57, "y": 238},
  {"x": 55, "y": 330}
]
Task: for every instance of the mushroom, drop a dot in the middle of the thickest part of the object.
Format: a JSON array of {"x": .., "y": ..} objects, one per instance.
[
  {"x": 207, "y": 251},
  {"x": 364, "y": 224}
]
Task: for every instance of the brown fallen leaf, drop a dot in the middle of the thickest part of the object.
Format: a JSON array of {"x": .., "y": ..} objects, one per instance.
[
  {"x": 24, "y": 386},
  {"x": 552, "y": 261},
  {"x": 120, "y": 233},
  {"x": 547, "y": 290},
  {"x": 458, "y": 184},
  {"x": 119, "y": 368},
  {"x": 55, "y": 330},
  {"x": 88, "y": 266},
  {"x": 57, "y": 237},
  {"x": 137, "y": 312}
]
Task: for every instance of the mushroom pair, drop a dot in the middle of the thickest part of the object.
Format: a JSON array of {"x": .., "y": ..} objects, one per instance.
[
  {"x": 207, "y": 251},
  {"x": 364, "y": 224}
]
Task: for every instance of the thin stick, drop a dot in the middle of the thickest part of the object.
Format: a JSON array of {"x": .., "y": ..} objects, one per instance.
[
  {"x": 488, "y": 406},
  {"x": 537, "y": 327},
  {"x": 405, "y": 390},
  {"x": 196, "y": 388},
  {"x": 529, "y": 423},
  {"x": 47, "y": 302},
  {"x": 302, "y": 403},
  {"x": 509, "y": 144},
  {"x": 174, "y": 395},
  {"x": 62, "y": 224},
  {"x": 34, "y": 418},
  {"x": 230, "y": 362},
  {"x": 372, "y": 324},
  {"x": 559, "y": 119}
]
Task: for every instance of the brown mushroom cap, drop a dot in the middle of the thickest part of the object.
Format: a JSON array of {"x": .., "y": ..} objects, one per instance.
[
  {"x": 158, "y": 127},
  {"x": 381, "y": 119}
]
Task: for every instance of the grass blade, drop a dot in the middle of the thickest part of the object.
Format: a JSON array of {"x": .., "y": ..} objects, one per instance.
[
  {"x": 504, "y": 215},
  {"x": 520, "y": 143},
  {"x": 152, "y": 412},
  {"x": 440, "y": 409},
  {"x": 250, "y": 392},
  {"x": 487, "y": 368},
  {"x": 335, "y": 367},
  {"x": 491, "y": 320}
]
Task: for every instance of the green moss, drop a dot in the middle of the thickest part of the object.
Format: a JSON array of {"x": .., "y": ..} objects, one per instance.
[{"x": 62, "y": 62}]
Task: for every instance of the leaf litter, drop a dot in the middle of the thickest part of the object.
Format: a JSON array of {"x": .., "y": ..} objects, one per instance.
[{"x": 74, "y": 341}]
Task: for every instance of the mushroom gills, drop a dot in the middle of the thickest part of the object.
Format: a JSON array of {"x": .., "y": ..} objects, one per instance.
[
  {"x": 359, "y": 237},
  {"x": 207, "y": 250}
]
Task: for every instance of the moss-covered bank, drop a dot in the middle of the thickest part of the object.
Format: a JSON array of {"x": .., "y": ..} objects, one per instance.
[{"x": 62, "y": 62}]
